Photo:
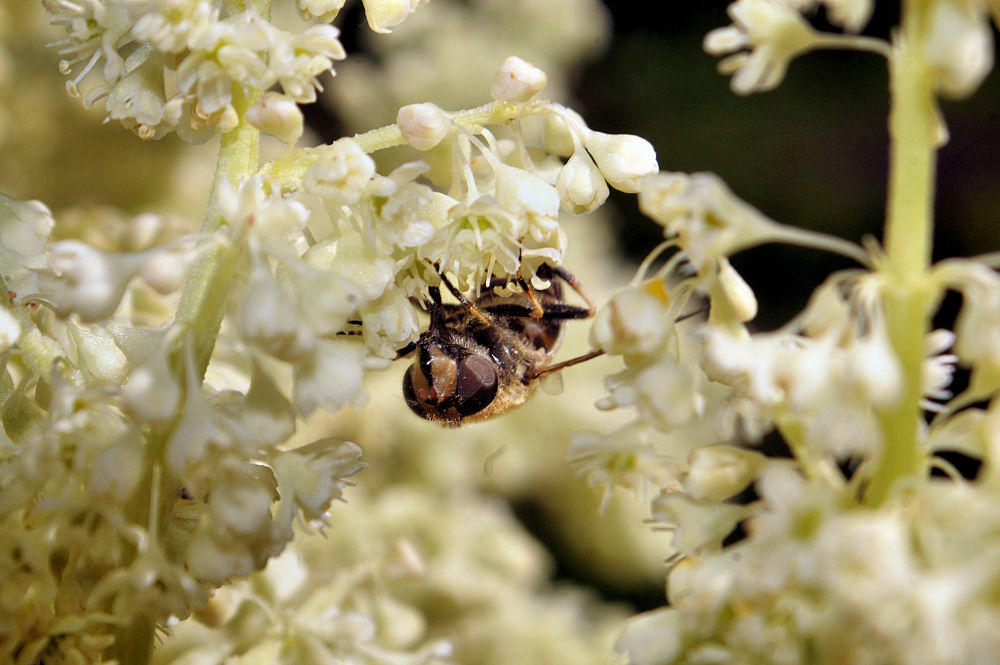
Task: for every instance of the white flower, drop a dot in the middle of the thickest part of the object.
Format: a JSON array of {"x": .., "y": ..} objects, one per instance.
[
  {"x": 315, "y": 472},
  {"x": 225, "y": 55},
  {"x": 329, "y": 377},
  {"x": 115, "y": 473},
  {"x": 269, "y": 318},
  {"x": 389, "y": 323},
  {"x": 708, "y": 220},
  {"x": 636, "y": 321},
  {"x": 172, "y": 25},
  {"x": 24, "y": 227},
  {"x": 481, "y": 239},
  {"x": 696, "y": 524},
  {"x": 517, "y": 81},
  {"x": 138, "y": 101},
  {"x": 297, "y": 60},
  {"x": 423, "y": 125},
  {"x": 719, "y": 472},
  {"x": 873, "y": 368},
  {"x": 94, "y": 29},
  {"x": 265, "y": 216},
  {"x": 529, "y": 197},
  {"x": 87, "y": 281},
  {"x": 340, "y": 173},
  {"x": 403, "y": 212},
  {"x": 772, "y": 31}
]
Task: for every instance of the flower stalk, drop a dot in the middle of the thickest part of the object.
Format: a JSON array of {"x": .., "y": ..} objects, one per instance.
[{"x": 913, "y": 131}]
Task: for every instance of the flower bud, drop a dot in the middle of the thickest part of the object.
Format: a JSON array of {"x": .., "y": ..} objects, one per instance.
[
  {"x": 959, "y": 47},
  {"x": 718, "y": 472},
  {"x": 557, "y": 138},
  {"x": 623, "y": 158},
  {"x": 166, "y": 268},
  {"x": 152, "y": 392},
  {"x": 384, "y": 14},
  {"x": 423, "y": 125},
  {"x": 738, "y": 293},
  {"x": 324, "y": 10},
  {"x": 517, "y": 81},
  {"x": 580, "y": 185},
  {"x": 99, "y": 356},
  {"x": 277, "y": 115}
]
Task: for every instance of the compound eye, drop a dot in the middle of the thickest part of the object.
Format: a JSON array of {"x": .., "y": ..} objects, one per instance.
[
  {"x": 477, "y": 384},
  {"x": 415, "y": 390}
]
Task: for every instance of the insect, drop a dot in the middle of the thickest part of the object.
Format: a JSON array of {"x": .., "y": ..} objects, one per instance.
[{"x": 480, "y": 359}]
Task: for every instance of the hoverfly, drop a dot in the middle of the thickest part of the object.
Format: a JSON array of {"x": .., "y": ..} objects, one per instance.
[{"x": 480, "y": 359}]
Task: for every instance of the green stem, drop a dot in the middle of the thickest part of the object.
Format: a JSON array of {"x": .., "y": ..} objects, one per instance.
[
  {"x": 206, "y": 291},
  {"x": 134, "y": 643},
  {"x": 199, "y": 313},
  {"x": 912, "y": 132}
]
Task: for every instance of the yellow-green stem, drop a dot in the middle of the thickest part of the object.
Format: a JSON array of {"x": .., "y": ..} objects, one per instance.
[
  {"x": 206, "y": 291},
  {"x": 909, "y": 225},
  {"x": 199, "y": 314}
]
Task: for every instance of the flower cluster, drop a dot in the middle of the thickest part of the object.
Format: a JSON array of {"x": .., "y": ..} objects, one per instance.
[
  {"x": 483, "y": 208},
  {"x": 156, "y": 377},
  {"x": 185, "y": 65},
  {"x": 845, "y": 548}
]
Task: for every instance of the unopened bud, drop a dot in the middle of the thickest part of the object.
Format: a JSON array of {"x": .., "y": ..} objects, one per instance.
[
  {"x": 423, "y": 125},
  {"x": 277, "y": 115},
  {"x": 99, "y": 356},
  {"x": 580, "y": 185},
  {"x": 738, "y": 293},
  {"x": 517, "y": 81},
  {"x": 623, "y": 159}
]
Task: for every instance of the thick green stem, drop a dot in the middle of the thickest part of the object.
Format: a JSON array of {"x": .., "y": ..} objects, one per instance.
[{"x": 909, "y": 224}]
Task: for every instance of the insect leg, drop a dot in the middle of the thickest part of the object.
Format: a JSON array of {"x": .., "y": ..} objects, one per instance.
[
  {"x": 461, "y": 298},
  {"x": 574, "y": 283},
  {"x": 536, "y": 308},
  {"x": 569, "y": 363},
  {"x": 552, "y": 312}
]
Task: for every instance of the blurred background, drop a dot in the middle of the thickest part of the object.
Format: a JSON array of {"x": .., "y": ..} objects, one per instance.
[{"x": 811, "y": 153}]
